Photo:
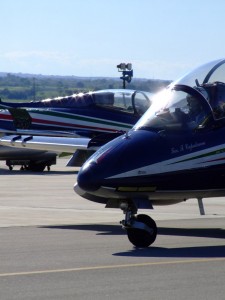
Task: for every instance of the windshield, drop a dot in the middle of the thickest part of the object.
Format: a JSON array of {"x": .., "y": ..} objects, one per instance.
[{"x": 178, "y": 108}]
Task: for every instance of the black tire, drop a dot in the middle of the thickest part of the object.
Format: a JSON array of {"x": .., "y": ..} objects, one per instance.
[{"x": 142, "y": 238}]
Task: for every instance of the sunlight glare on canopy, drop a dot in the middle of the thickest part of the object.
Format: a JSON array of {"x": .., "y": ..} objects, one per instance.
[{"x": 159, "y": 100}]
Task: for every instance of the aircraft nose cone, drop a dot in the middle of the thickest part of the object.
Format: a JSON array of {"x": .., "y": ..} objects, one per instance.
[{"x": 88, "y": 178}]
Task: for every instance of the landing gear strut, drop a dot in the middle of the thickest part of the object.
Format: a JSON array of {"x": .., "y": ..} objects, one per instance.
[{"x": 141, "y": 229}]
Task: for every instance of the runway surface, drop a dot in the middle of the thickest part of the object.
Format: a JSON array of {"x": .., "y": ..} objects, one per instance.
[{"x": 56, "y": 245}]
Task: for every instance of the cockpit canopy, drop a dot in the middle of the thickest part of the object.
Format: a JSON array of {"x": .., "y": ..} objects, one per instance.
[
  {"x": 191, "y": 102},
  {"x": 128, "y": 101},
  {"x": 133, "y": 102}
]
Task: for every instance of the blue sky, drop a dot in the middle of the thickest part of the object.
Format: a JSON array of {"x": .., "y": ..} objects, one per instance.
[{"x": 162, "y": 39}]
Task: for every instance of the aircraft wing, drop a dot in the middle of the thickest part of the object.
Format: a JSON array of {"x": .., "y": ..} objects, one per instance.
[
  {"x": 62, "y": 133},
  {"x": 57, "y": 144}
]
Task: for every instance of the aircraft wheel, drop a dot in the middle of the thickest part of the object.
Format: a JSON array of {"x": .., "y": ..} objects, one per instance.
[{"x": 140, "y": 237}]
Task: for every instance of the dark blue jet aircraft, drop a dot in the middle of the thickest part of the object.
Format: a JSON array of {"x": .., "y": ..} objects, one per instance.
[
  {"x": 79, "y": 115},
  {"x": 176, "y": 151}
]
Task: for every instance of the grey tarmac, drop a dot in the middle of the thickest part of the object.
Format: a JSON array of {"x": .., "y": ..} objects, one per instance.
[{"x": 56, "y": 245}]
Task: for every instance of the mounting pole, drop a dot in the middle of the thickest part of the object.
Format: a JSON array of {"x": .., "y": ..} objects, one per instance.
[{"x": 201, "y": 206}]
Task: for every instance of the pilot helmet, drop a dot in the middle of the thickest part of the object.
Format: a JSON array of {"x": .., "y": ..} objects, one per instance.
[{"x": 193, "y": 104}]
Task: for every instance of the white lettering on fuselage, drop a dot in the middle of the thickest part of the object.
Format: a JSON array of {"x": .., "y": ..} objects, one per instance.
[{"x": 185, "y": 147}]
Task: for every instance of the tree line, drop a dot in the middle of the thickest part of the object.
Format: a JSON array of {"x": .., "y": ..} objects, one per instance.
[{"x": 22, "y": 87}]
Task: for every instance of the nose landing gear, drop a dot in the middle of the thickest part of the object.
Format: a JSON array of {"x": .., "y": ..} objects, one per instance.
[{"x": 141, "y": 229}]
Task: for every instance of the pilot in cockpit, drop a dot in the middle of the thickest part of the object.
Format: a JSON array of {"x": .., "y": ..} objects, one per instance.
[{"x": 196, "y": 111}]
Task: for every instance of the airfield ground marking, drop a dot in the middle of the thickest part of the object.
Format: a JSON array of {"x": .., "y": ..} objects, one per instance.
[{"x": 113, "y": 267}]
